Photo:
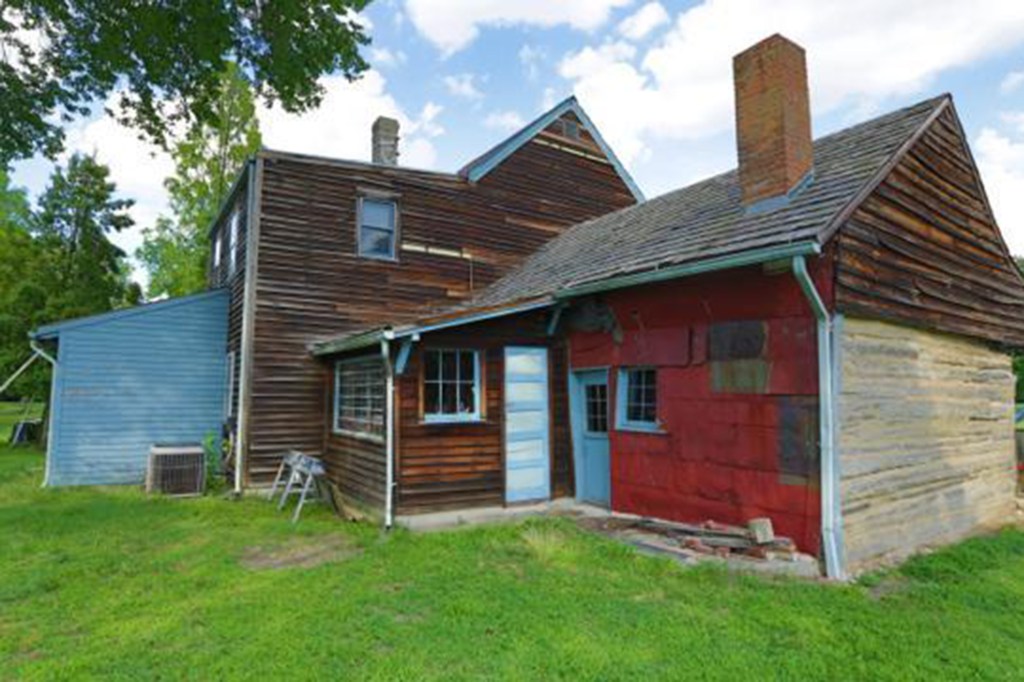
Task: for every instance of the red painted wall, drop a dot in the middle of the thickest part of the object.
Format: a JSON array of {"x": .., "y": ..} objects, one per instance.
[{"x": 719, "y": 456}]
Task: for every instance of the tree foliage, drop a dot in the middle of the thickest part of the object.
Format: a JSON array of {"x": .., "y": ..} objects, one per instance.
[
  {"x": 207, "y": 160},
  {"x": 58, "y": 262},
  {"x": 163, "y": 59}
]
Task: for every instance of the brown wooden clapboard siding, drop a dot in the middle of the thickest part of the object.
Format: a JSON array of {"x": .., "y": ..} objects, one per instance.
[
  {"x": 311, "y": 285},
  {"x": 446, "y": 466},
  {"x": 924, "y": 249},
  {"x": 235, "y": 282}
]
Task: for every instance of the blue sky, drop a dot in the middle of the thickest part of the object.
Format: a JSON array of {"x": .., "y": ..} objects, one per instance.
[{"x": 655, "y": 77}]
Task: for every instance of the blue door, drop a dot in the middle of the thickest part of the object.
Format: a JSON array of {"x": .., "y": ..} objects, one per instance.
[
  {"x": 590, "y": 412},
  {"x": 527, "y": 428}
]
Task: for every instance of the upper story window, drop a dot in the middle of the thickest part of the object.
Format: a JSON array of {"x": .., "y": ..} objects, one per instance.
[
  {"x": 570, "y": 128},
  {"x": 378, "y": 228},
  {"x": 233, "y": 242},
  {"x": 637, "y": 406},
  {"x": 215, "y": 247},
  {"x": 451, "y": 385},
  {"x": 359, "y": 389}
]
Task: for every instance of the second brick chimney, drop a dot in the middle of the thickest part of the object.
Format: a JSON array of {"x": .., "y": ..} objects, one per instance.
[
  {"x": 773, "y": 119},
  {"x": 385, "y": 141}
]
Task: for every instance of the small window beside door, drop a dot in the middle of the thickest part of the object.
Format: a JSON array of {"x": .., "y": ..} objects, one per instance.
[
  {"x": 378, "y": 228},
  {"x": 637, "y": 404},
  {"x": 451, "y": 385}
]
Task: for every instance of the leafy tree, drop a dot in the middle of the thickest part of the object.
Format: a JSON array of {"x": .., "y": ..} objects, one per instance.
[
  {"x": 21, "y": 296},
  {"x": 164, "y": 60},
  {"x": 77, "y": 214},
  {"x": 207, "y": 161}
]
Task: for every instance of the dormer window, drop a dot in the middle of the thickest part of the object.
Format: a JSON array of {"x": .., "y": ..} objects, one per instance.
[{"x": 378, "y": 228}]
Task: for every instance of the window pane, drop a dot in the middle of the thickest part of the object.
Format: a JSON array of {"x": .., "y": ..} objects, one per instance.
[
  {"x": 374, "y": 242},
  {"x": 641, "y": 396},
  {"x": 431, "y": 397},
  {"x": 467, "y": 366},
  {"x": 360, "y": 396},
  {"x": 448, "y": 365},
  {"x": 379, "y": 214},
  {"x": 448, "y": 397},
  {"x": 450, "y": 383}
]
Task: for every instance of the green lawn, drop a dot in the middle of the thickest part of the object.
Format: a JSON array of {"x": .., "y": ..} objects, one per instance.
[{"x": 104, "y": 583}]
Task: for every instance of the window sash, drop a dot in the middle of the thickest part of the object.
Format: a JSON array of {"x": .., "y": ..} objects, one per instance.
[
  {"x": 638, "y": 398},
  {"x": 359, "y": 388},
  {"x": 378, "y": 220},
  {"x": 451, "y": 385}
]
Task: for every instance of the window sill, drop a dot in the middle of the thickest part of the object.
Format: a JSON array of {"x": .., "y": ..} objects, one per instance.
[
  {"x": 652, "y": 429},
  {"x": 357, "y": 435},
  {"x": 447, "y": 421}
]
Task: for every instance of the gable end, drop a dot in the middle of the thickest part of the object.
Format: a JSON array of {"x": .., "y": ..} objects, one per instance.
[{"x": 924, "y": 249}]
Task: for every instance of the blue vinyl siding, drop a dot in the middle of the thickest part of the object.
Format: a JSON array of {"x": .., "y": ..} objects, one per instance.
[{"x": 154, "y": 374}]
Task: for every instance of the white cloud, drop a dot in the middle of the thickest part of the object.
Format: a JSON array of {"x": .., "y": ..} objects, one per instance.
[
  {"x": 136, "y": 167},
  {"x": 463, "y": 85},
  {"x": 508, "y": 121},
  {"x": 451, "y": 25},
  {"x": 1011, "y": 82},
  {"x": 637, "y": 26},
  {"x": 858, "y": 54},
  {"x": 382, "y": 57},
  {"x": 341, "y": 126},
  {"x": 531, "y": 57},
  {"x": 1001, "y": 162}
]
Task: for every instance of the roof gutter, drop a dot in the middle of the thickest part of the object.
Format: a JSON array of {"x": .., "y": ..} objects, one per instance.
[
  {"x": 738, "y": 260},
  {"x": 831, "y": 510}
]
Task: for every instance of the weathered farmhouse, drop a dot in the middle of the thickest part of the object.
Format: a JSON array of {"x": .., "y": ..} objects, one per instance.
[{"x": 818, "y": 337}]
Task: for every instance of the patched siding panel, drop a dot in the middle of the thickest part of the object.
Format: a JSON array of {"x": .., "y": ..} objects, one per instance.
[
  {"x": 925, "y": 439},
  {"x": 155, "y": 376}
]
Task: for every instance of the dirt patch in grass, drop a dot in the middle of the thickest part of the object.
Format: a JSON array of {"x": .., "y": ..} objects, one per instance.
[
  {"x": 299, "y": 553},
  {"x": 888, "y": 585}
]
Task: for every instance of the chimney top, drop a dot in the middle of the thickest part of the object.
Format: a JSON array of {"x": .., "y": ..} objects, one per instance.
[
  {"x": 773, "y": 119},
  {"x": 385, "y": 141}
]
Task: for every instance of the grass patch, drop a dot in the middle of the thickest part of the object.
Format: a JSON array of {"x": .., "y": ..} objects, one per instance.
[{"x": 107, "y": 583}]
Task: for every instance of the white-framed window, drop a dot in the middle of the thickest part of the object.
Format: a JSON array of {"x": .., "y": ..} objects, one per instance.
[
  {"x": 233, "y": 243},
  {"x": 451, "y": 385},
  {"x": 229, "y": 395},
  {"x": 359, "y": 388},
  {"x": 377, "y": 228},
  {"x": 637, "y": 399}
]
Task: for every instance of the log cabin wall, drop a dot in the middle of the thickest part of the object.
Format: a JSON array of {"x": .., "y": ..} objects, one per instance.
[
  {"x": 737, "y": 409},
  {"x": 455, "y": 238},
  {"x": 460, "y": 465},
  {"x": 924, "y": 249},
  {"x": 926, "y": 440}
]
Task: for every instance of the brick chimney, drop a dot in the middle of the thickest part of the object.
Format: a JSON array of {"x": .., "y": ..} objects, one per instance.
[
  {"x": 773, "y": 119},
  {"x": 385, "y": 141}
]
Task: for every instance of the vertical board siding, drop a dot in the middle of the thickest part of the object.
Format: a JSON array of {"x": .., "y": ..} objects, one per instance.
[
  {"x": 924, "y": 248},
  {"x": 156, "y": 375},
  {"x": 311, "y": 285},
  {"x": 925, "y": 439}
]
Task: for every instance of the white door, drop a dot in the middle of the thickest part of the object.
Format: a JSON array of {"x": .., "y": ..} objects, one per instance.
[{"x": 527, "y": 427}]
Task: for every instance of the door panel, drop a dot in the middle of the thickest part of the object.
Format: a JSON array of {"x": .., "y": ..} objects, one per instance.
[
  {"x": 527, "y": 425},
  {"x": 591, "y": 418}
]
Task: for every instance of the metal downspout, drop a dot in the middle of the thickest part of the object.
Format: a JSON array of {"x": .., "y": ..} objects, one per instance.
[
  {"x": 389, "y": 433},
  {"x": 831, "y": 512},
  {"x": 37, "y": 349}
]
